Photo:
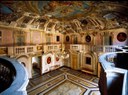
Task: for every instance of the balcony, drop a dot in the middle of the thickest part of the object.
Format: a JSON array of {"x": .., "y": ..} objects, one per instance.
[
  {"x": 98, "y": 49},
  {"x": 51, "y": 48},
  {"x": 35, "y": 49},
  {"x": 20, "y": 50}
]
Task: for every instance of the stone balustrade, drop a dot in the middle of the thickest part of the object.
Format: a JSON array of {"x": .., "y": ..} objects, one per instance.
[
  {"x": 84, "y": 48},
  {"x": 19, "y": 50},
  {"x": 51, "y": 47}
]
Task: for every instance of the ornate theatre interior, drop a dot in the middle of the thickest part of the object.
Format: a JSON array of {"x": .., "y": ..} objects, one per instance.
[{"x": 47, "y": 35}]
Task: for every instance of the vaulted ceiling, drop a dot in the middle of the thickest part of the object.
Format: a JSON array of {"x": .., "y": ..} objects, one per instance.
[
  {"x": 63, "y": 9},
  {"x": 95, "y": 12}
]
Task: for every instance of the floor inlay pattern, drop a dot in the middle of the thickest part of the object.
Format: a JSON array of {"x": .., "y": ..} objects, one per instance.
[
  {"x": 67, "y": 88},
  {"x": 64, "y": 81}
]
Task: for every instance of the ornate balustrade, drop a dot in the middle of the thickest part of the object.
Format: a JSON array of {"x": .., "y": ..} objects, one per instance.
[
  {"x": 19, "y": 50},
  {"x": 85, "y": 48},
  {"x": 51, "y": 47},
  {"x": 13, "y": 77},
  {"x": 76, "y": 47},
  {"x": 27, "y": 49}
]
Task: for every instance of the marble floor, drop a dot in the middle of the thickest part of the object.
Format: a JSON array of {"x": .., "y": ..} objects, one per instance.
[{"x": 63, "y": 81}]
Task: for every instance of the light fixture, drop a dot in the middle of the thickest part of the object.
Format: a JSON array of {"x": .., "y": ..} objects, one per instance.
[{"x": 62, "y": 53}]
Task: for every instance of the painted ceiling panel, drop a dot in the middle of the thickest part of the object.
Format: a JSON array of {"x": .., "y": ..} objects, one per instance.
[
  {"x": 88, "y": 13},
  {"x": 56, "y": 9},
  {"x": 5, "y": 10},
  {"x": 60, "y": 9}
]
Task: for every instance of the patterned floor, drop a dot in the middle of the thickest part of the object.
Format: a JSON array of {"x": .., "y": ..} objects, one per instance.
[{"x": 63, "y": 81}]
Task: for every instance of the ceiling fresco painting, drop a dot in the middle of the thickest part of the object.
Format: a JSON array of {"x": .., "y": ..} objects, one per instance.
[
  {"x": 56, "y": 9},
  {"x": 68, "y": 16},
  {"x": 59, "y": 9}
]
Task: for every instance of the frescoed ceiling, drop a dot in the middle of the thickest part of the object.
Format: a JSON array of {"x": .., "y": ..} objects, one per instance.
[
  {"x": 70, "y": 14},
  {"x": 55, "y": 9},
  {"x": 60, "y": 9}
]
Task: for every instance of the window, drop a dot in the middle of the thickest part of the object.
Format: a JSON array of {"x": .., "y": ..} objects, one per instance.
[
  {"x": 88, "y": 60},
  {"x": 57, "y": 38},
  {"x": 67, "y": 38}
]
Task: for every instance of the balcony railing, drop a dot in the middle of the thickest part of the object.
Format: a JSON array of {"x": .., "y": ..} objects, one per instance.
[
  {"x": 51, "y": 47},
  {"x": 27, "y": 49},
  {"x": 19, "y": 50},
  {"x": 84, "y": 48}
]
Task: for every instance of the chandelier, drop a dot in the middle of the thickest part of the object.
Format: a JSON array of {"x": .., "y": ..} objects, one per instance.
[{"x": 62, "y": 53}]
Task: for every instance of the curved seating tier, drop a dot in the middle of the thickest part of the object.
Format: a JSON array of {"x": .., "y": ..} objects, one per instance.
[
  {"x": 13, "y": 77},
  {"x": 114, "y": 73}
]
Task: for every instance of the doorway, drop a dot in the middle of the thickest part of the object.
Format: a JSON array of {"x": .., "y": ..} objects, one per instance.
[{"x": 36, "y": 66}]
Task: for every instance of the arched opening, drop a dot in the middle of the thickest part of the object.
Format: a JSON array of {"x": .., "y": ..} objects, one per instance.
[
  {"x": 23, "y": 64},
  {"x": 36, "y": 66},
  {"x": 24, "y": 59}
]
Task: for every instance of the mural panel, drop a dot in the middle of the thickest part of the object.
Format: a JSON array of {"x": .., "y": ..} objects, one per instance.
[
  {"x": 121, "y": 36},
  {"x": 88, "y": 38},
  {"x": 19, "y": 37},
  {"x": 48, "y": 60}
]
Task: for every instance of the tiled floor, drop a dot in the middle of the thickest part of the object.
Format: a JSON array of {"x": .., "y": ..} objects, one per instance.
[{"x": 63, "y": 81}]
